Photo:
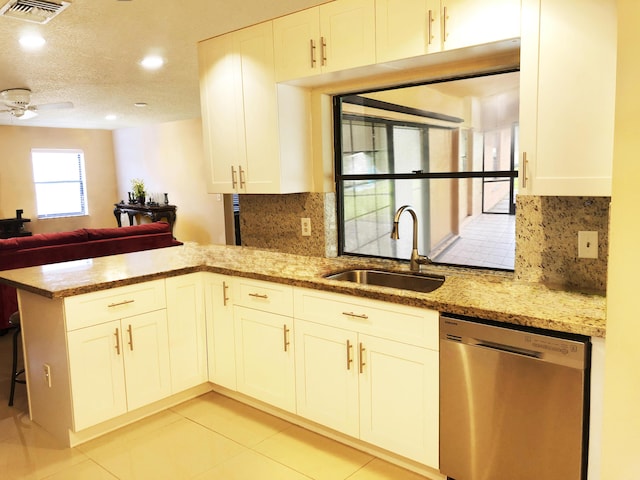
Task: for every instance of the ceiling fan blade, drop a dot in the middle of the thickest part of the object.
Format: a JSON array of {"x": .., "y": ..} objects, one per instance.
[{"x": 51, "y": 106}]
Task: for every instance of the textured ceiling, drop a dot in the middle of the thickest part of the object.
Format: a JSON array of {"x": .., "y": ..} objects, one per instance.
[{"x": 93, "y": 49}]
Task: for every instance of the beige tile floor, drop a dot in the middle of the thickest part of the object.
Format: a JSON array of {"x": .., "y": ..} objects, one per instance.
[{"x": 210, "y": 437}]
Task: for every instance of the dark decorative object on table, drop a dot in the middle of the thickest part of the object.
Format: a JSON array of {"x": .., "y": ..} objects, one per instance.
[{"x": 166, "y": 199}]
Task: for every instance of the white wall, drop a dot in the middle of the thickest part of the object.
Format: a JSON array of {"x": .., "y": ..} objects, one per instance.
[
  {"x": 169, "y": 158},
  {"x": 621, "y": 429}
]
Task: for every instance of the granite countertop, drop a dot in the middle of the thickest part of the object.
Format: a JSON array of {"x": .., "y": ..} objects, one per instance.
[{"x": 478, "y": 293}]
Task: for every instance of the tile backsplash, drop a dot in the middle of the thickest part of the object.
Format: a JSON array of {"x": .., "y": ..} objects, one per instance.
[{"x": 546, "y": 234}]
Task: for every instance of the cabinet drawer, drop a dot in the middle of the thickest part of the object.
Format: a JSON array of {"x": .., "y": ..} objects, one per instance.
[
  {"x": 265, "y": 296},
  {"x": 416, "y": 326},
  {"x": 120, "y": 302}
]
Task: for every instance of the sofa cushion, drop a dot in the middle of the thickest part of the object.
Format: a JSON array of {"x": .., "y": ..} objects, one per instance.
[
  {"x": 48, "y": 239},
  {"x": 8, "y": 244},
  {"x": 145, "y": 228}
]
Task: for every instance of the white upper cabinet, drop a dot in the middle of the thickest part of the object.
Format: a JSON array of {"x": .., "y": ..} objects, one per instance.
[
  {"x": 256, "y": 133},
  {"x": 470, "y": 22},
  {"x": 420, "y": 27},
  {"x": 335, "y": 36},
  {"x": 567, "y": 94}
]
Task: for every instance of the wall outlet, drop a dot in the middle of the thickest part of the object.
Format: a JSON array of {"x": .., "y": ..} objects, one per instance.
[
  {"x": 306, "y": 226},
  {"x": 587, "y": 244},
  {"x": 47, "y": 374}
]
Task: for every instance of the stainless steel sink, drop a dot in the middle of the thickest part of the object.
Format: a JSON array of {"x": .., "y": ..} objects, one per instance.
[{"x": 417, "y": 282}]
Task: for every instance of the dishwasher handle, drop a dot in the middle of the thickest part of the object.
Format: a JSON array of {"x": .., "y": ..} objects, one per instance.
[{"x": 506, "y": 348}]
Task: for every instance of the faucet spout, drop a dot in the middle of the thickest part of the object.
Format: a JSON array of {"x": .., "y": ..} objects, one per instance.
[{"x": 416, "y": 259}]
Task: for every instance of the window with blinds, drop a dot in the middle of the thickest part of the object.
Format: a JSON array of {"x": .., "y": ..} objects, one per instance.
[{"x": 59, "y": 181}]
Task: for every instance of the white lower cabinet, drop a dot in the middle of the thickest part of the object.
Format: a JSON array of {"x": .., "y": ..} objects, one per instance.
[
  {"x": 221, "y": 349},
  {"x": 399, "y": 409},
  {"x": 117, "y": 367},
  {"x": 327, "y": 376},
  {"x": 187, "y": 331},
  {"x": 380, "y": 389},
  {"x": 265, "y": 357},
  {"x": 263, "y": 330}
]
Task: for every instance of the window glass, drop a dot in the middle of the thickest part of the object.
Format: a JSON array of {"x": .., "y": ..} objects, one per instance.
[
  {"x": 59, "y": 183},
  {"x": 450, "y": 151}
]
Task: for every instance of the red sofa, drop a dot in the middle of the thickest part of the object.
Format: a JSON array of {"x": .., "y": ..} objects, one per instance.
[{"x": 44, "y": 248}]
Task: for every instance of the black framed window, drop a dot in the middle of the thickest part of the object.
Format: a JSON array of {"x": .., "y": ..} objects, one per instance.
[{"x": 455, "y": 171}]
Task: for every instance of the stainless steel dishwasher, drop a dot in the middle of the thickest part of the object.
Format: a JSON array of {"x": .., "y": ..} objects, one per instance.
[{"x": 513, "y": 402}]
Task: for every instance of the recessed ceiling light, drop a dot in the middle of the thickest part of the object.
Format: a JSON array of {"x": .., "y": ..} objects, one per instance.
[
  {"x": 152, "y": 62},
  {"x": 111, "y": 117},
  {"x": 32, "y": 41}
]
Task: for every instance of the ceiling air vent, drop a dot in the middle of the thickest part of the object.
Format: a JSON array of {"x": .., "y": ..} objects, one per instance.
[{"x": 36, "y": 11}]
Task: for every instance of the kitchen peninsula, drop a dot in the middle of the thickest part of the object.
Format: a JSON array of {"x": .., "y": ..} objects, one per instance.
[{"x": 156, "y": 293}]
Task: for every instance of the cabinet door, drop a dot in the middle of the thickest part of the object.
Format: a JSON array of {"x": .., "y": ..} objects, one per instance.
[
  {"x": 470, "y": 22},
  {"x": 255, "y": 52},
  {"x": 327, "y": 376},
  {"x": 347, "y": 29},
  {"x": 146, "y": 352},
  {"x": 220, "y": 336},
  {"x": 222, "y": 114},
  {"x": 296, "y": 40},
  {"x": 567, "y": 99},
  {"x": 409, "y": 31},
  {"x": 187, "y": 331},
  {"x": 265, "y": 357},
  {"x": 96, "y": 364},
  {"x": 399, "y": 398}
]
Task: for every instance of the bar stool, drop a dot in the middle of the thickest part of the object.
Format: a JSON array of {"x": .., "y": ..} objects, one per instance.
[{"x": 14, "y": 322}]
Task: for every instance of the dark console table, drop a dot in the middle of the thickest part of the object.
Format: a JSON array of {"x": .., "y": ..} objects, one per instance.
[
  {"x": 14, "y": 227},
  {"x": 154, "y": 212}
]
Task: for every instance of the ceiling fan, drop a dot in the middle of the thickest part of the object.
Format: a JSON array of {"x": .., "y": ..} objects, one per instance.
[{"x": 18, "y": 103}]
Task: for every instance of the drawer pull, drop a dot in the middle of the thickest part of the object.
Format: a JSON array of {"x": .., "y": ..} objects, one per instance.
[
  {"x": 349, "y": 359},
  {"x": 356, "y": 315},
  {"x": 362, "y": 362},
  {"x": 130, "y": 338},
  {"x": 285, "y": 332},
  {"x": 225, "y": 289},
  {"x": 259, "y": 295},
  {"x": 118, "y": 304},
  {"x": 117, "y": 335}
]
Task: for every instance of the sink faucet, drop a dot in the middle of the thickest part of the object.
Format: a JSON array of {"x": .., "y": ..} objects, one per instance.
[{"x": 416, "y": 259}]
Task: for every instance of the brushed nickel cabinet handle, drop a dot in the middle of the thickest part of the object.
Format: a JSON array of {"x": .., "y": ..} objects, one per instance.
[
  {"x": 349, "y": 350},
  {"x": 242, "y": 179},
  {"x": 524, "y": 169},
  {"x": 313, "y": 53},
  {"x": 361, "y": 353},
  {"x": 129, "y": 331},
  {"x": 234, "y": 179},
  {"x": 117, "y": 335},
  {"x": 285, "y": 333},
  {"x": 118, "y": 304},
  {"x": 444, "y": 24},
  {"x": 323, "y": 50},
  {"x": 225, "y": 289},
  {"x": 430, "y": 27},
  {"x": 259, "y": 295},
  {"x": 356, "y": 315}
]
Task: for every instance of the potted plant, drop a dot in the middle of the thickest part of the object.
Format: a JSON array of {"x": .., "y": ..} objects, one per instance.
[{"x": 137, "y": 186}]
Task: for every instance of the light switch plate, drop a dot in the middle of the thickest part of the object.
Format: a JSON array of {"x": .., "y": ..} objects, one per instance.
[{"x": 587, "y": 244}]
